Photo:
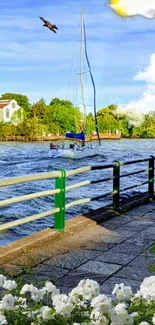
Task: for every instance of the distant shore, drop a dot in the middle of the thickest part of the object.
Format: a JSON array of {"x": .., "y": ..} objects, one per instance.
[{"x": 103, "y": 136}]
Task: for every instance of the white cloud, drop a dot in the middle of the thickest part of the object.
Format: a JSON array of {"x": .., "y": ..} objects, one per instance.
[
  {"x": 146, "y": 102},
  {"x": 148, "y": 74}
]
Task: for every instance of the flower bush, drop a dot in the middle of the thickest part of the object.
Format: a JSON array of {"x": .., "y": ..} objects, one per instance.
[{"x": 29, "y": 305}]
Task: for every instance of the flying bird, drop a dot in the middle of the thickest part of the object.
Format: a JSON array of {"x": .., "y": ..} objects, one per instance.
[{"x": 49, "y": 25}]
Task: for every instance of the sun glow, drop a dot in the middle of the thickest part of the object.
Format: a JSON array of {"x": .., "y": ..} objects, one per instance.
[
  {"x": 119, "y": 8},
  {"x": 132, "y": 8}
]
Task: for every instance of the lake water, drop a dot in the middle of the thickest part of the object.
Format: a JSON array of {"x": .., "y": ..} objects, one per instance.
[{"x": 18, "y": 159}]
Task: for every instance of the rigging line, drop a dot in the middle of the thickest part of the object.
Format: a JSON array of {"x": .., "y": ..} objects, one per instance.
[
  {"x": 85, "y": 41},
  {"x": 81, "y": 80}
]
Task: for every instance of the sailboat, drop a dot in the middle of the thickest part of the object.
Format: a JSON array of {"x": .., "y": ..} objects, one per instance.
[{"x": 75, "y": 150}]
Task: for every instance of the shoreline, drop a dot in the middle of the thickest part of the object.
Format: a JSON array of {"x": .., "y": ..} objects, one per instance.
[{"x": 103, "y": 136}]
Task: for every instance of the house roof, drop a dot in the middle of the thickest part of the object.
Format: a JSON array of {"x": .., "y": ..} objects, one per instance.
[{"x": 4, "y": 103}]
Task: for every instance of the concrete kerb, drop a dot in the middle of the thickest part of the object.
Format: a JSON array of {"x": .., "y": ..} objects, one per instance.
[
  {"x": 34, "y": 246},
  {"x": 29, "y": 246}
]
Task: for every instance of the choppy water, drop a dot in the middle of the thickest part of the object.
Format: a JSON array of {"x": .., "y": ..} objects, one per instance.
[{"x": 28, "y": 158}]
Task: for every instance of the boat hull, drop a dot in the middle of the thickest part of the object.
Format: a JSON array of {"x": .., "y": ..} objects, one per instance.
[{"x": 73, "y": 154}]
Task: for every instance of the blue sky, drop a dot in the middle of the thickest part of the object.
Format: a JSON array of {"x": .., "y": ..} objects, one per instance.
[{"x": 38, "y": 63}]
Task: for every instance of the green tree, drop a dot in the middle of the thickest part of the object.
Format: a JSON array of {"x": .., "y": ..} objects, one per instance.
[
  {"x": 62, "y": 116},
  {"x": 39, "y": 109},
  {"x": 90, "y": 124}
]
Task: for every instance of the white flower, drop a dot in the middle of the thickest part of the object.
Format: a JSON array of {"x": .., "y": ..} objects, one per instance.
[
  {"x": 60, "y": 298},
  {"x": 98, "y": 317},
  {"x": 51, "y": 288},
  {"x": 119, "y": 315},
  {"x": 37, "y": 295},
  {"x": 153, "y": 320},
  {"x": 134, "y": 314},
  {"x": 102, "y": 302},
  {"x": 122, "y": 292},
  {"x": 64, "y": 308},
  {"x": 46, "y": 312},
  {"x": 9, "y": 284},
  {"x": 147, "y": 289},
  {"x": 62, "y": 304},
  {"x": 144, "y": 323},
  {"x": 26, "y": 288},
  {"x": 88, "y": 288},
  {"x": 2, "y": 280},
  {"x": 7, "y": 302},
  {"x": 21, "y": 302},
  {"x": 3, "y": 320}
]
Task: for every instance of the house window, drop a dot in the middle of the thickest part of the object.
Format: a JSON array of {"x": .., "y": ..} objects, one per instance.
[
  {"x": 7, "y": 113},
  {"x": 13, "y": 105}
]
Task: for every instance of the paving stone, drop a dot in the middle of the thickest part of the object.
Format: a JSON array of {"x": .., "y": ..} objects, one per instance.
[
  {"x": 118, "y": 258},
  {"x": 133, "y": 272},
  {"x": 140, "y": 210},
  {"x": 141, "y": 261},
  {"x": 140, "y": 222},
  {"x": 139, "y": 241},
  {"x": 150, "y": 218},
  {"x": 64, "y": 289},
  {"x": 72, "y": 278},
  {"x": 114, "y": 239},
  {"x": 48, "y": 270},
  {"x": 150, "y": 214},
  {"x": 116, "y": 222},
  {"x": 135, "y": 225},
  {"x": 37, "y": 280},
  {"x": 99, "y": 267},
  {"x": 125, "y": 248},
  {"x": 108, "y": 285},
  {"x": 148, "y": 233},
  {"x": 102, "y": 246},
  {"x": 125, "y": 232},
  {"x": 72, "y": 259}
]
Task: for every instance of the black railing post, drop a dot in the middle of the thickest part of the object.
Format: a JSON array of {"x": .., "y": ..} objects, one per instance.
[
  {"x": 116, "y": 184},
  {"x": 151, "y": 176}
]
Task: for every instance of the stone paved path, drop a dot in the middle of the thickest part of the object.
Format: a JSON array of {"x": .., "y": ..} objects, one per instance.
[{"x": 115, "y": 253}]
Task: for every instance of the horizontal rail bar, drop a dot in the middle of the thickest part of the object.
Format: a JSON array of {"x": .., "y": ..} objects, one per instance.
[
  {"x": 102, "y": 180},
  {"x": 77, "y": 185},
  {"x": 29, "y": 178},
  {"x": 86, "y": 200},
  {"x": 133, "y": 162},
  {"x": 134, "y": 173},
  {"x": 133, "y": 186},
  {"x": 102, "y": 167},
  {"x": 77, "y": 202},
  {"x": 27, "y": 197},
  {"x": 78, "y": 171},
  {"x": 41, "y": 176},
  {"x": 28, "y": 219},
  {"x": 101, "y": 196}
]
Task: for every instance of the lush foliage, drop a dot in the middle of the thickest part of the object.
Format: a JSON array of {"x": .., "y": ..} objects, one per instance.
[
  {"x": 61, "y": 116},
  {"x": 29, "y": 305}
]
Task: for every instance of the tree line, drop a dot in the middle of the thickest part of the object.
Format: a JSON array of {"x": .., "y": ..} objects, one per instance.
[{"x": 61, "y": 116}]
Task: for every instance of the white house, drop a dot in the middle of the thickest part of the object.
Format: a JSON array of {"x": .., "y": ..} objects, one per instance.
[{"x": 7, "y": 109}]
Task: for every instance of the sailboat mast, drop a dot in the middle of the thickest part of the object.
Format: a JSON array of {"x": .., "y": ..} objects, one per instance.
[
  {"x": 92, "y": 79},
  {"x": 81, "y": 81}
]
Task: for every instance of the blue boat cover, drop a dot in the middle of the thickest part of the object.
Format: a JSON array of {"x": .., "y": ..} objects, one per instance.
[{"x": 80, "y": 136}]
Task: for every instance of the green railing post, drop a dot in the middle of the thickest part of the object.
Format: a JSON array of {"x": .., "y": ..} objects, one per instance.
[
  {"x": 151, "y": 176},
  {"x": 116, "y": 184},
  {"x": 59, "y": 217}
]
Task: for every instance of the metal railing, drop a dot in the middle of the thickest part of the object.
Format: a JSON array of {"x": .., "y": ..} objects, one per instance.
[{"x": 60, "y": 189}]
